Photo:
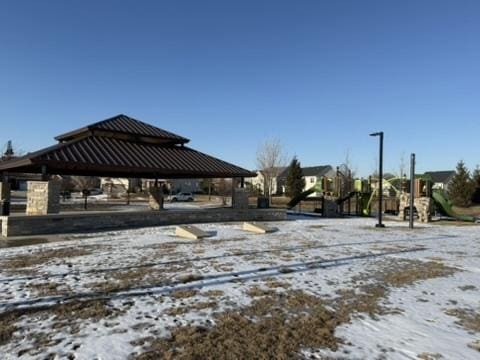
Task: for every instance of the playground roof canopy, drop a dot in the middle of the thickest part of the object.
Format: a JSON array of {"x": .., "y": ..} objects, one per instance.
[{"x": 123, "y": 147}]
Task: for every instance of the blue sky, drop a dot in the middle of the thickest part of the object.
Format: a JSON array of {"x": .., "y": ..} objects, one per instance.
[{"x": 318, "y": 75}]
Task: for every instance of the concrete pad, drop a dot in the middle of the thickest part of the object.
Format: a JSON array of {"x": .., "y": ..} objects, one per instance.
[
  {"x": 257, "y": 228},
  {"x": 190, "y": 232}
]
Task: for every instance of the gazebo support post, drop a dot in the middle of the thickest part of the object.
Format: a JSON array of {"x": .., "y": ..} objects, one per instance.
[
  {"x": 43, "y": 197},
  {"x": 4, "y": 195},
  {"x": 155, "y": 196},
  {"x": 239, "y": 195}
]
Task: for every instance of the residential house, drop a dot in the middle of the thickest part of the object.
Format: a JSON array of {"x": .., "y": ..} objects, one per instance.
[
  {"x": 313, "y": 174},
  {"x": 259, "y": 182},
  {"x": 441, "y": 179}
]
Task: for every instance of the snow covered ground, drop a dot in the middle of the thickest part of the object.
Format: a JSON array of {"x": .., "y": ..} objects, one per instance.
[{"x": 112, "y": 295}]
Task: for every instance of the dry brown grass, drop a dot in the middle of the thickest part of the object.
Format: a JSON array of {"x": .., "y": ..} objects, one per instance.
[
  {"x": 467, "y": 318},
  {"x": 64, "y": 315},
  {"x": 249, "y": 334},
  {"x": 183, "y": 294},
  {"x": 278, "y": 325},
  {"x": 213, "y": 293},
  {"x": 201, "y": 305},
  {"x": 256, "y": 291},
  {"x": 44, "y": 256},
  {"x": 404, "y": 272},
  {"x": 49, "y": 289}
]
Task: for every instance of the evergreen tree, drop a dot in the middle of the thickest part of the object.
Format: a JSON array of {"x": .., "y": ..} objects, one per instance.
[
  {"x": 462, "y": 187},
  {"x": 476, "y": 182},
  {"x": 295, "y": 181}
]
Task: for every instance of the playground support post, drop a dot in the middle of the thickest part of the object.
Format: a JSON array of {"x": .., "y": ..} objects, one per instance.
[
  {"x": 412, "y": 189},
  {"x": 380, "y": 179}
]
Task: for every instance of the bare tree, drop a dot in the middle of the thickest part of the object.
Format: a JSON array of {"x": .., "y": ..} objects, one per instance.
[
  {"x": 348, "y": 174},
  {"x": 271, "y": 160},
  {"x": 84, "y": 184},
  {"x": 402, "y": 166},
  {"x": 224, "y": 188}
]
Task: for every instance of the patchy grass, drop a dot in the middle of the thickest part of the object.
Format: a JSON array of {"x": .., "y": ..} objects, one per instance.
[
  {"x": 64, "y": 316},
  {"x": 201, "y": 305},
  {"x": 213, "y": 293},
  {"x": 256, "y": 291},
  {"x": 279, "y": 325},
  {"x": 249, "y": 334},
  {"x": 400, "y": 273},
  {"x": 190, "y": 278},
  {"x": 183, "y": 294},
  {"x": 44, "y": 256},
  {"x": 49, "y": 289},
  {"x": 467, "y": 318}
]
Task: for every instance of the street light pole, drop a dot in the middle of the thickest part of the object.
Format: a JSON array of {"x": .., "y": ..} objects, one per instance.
[{"x": 380, "y": 180}]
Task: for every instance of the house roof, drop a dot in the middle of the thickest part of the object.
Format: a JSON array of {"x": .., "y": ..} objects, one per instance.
[
  {"x": 143, "y": 152},
  {"x": 316, "y": 170},
  {"x": 309, "y": 171},
  {"x": 440, "y": 176},
  {"x": 123, "y": 124}
]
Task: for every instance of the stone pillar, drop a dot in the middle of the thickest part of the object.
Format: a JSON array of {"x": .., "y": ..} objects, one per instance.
[
  {"x": 424, "y": 207},
  {"x": 240, "y": 198},
  {"x": 43, "y": 197},
  {"x": 422, "y": 204},
  {"x": 329, "y": 207},
  {"x": 155, "y": 198},
  {"x": 404, "y": 203}
]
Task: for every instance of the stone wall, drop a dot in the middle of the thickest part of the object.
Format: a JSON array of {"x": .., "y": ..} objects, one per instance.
[
  {"x": 330, "y": 207},
  {"x": 43, "y": 197},
  {"x": 98, "y": 221},
  {"x": 422, "y": 204},
  {"x": 240, "y": 199}
]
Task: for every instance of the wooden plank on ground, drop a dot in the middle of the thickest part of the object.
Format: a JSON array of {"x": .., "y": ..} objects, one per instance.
[
  {"x": 257, "y": 228},
  {"x": 190, "y": 232}
]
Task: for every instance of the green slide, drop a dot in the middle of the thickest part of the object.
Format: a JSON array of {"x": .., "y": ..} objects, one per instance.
[
  {"x": 446, "y": 207},
  {"x": 315, "y": 188}
]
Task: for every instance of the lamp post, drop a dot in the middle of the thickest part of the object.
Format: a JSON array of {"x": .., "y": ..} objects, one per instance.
[{"x": 380, "y": 180}]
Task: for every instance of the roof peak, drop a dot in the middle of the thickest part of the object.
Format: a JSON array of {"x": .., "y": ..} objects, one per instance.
[{"x": 125, "y": 125}]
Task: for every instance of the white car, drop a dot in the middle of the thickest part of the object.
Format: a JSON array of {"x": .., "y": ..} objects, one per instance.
[{"x": 180, "y": 197}]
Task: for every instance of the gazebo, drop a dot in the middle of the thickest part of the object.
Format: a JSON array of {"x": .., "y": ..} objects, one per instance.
[{"x": 120, "y": 146}]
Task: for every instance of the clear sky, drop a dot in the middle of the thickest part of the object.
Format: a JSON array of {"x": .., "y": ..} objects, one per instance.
[{"x": 318, "y": 75}]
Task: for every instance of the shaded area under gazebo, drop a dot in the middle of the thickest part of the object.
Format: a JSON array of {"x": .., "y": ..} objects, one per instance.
[{"x": 120, "y": 147}]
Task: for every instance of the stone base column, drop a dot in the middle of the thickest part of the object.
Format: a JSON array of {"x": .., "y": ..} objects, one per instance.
[
  {"x": 240, "y": 198},
  {"x": 422, "y": 204},
  {"x": 155, "y": 198},
  {"x": 43, "y": 197},
  {"x": 329, "y": 207}
]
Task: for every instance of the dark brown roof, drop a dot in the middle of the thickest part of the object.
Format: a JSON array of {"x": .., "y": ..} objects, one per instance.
[
  {"x": 123, "y": 124},
  {"x": 96, "y": 155}
]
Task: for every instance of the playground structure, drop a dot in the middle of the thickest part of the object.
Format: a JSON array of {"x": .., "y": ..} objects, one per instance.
[{"x": 343, "y": 195}]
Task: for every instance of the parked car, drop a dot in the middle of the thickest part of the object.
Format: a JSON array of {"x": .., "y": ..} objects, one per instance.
[{"x": 180, "y": 197}]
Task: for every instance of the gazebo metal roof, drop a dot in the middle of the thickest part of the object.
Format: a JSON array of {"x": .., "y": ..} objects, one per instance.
[{"x": 124, "y": 147}]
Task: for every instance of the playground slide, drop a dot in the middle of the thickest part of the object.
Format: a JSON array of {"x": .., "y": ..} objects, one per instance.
[
  {"x": 345, "y": 198},
  {"x": 304, "y": 195},
  {"x": 446, "y": 206}
]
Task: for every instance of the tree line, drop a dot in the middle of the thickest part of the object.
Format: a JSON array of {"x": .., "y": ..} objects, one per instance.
[{"x": 464, "y": 189}]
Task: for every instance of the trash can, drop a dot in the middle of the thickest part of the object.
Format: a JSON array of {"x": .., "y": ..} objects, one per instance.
[
  {"x": 4, "y": 208},
  {"x": 263, "y": 203}
]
